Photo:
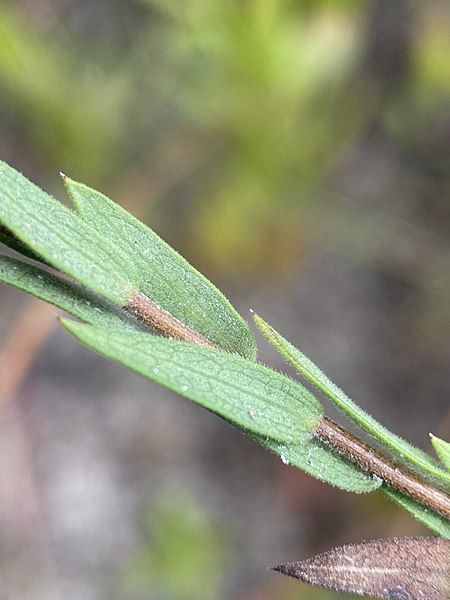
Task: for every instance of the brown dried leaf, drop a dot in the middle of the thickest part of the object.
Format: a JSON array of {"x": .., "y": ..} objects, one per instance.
[{"x": 396, "y": 569}]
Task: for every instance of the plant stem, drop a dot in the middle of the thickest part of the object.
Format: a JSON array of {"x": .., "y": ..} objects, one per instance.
[
  {"x": 161, "y": 320},
  {"x": 392, "y": 475},
  {"x": 411, "y": 456},
  {"x": 368, "y": 459}
]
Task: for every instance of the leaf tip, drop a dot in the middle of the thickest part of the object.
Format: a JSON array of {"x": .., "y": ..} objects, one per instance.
[
  {"x": 255, "y": 316},
  {"x": 64, "y": 321},
  {"x": 259, "y": 322},
  {"x": 442, "y": 449},
  {"x": 289, "y": 569},
  {"x": 69, "y": 324}
]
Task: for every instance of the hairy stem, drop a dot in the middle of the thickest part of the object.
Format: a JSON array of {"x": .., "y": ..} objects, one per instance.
[
  {"x": 370, "y": 460},
  {"x": 158, "y": 318}
]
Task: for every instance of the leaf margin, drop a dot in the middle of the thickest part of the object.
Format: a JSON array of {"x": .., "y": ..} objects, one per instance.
[
  {"x": 160, "y": 267},
  {"x": 405, "y": 452}
]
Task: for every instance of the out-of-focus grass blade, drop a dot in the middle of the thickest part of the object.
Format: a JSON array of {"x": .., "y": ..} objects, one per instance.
[
  {"x": 62, "y": 238},
  {"x": 403, "y": 451},
  {"x": 428, "y": 517},
  {"x": 63, "y": 294},
  {"x": 317, "y": 459},
  {"x": 251, "y": 396},
  {"x": 442, "y": 449},
  {"x": 396, "y": 568},
  {"x": 165, "y": 276}
]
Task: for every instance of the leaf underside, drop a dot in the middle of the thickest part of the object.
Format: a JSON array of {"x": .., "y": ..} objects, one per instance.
[
  {"x": 404, "y": 452},
  {"x": 249, "y": 395},
  {"x": 395, "y": 569},
  {"x": 164, "y": 275},
  {"x": 320, "y": 461}
]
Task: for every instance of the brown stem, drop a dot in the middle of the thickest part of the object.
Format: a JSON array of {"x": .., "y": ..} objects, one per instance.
[
  {"x": 372, "y": 461},
  {"x": 163, "y": 322},
  {"x": 341, "y": 440}
]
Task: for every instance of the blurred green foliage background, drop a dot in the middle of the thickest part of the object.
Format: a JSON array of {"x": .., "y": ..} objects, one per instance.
[
  {"x": 245, "y": 105},
  {"x": 257, "y": 137}
]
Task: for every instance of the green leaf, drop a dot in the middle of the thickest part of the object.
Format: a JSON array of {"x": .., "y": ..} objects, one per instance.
[
  {"x": 248, "y": 394},
  {"x": 11, "y": 241},
  {"x": 317, "y": 459},
  {"x": 165, "y": 276},
  {"x": 63, "y": 294},
  {"x": 428, "y": 517},
  {"x": 62, "y": 238},
  {"x": 402, "y": 450},
  {"x": 442, "y": 449}
]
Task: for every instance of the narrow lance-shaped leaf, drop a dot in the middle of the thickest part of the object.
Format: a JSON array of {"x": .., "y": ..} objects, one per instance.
[
  {"x": 402, "y": 450},
  {"x": 251, "y": 396},
  {"x": 426, "y": 516},
  {"x": 320, "y": 461},
  {"x": 395, "y": 569},
  {"x": 62, "y": 238},
  {"x": 63, "y": 294},
  {"x": 442, "y": 449},
  {"x": 165, "y": 276}
]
